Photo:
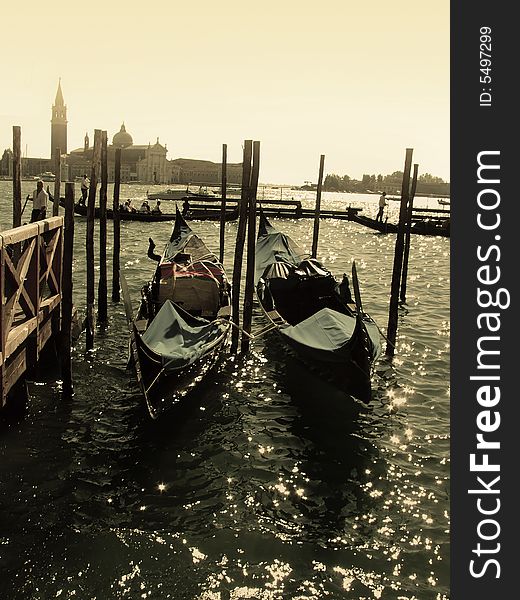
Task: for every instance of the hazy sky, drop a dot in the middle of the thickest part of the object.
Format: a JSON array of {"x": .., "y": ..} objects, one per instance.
[{"x": 356, "y": 81}]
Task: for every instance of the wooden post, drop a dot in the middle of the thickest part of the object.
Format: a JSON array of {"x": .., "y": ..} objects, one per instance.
[
  {"x": 239, "y": 246},
  {"x": 17, "y": 174},
  {"x": 117, "y": 228},
  {"x": 406, "y": 255},
  {"x": 398, "y": 258},
  {"x": 251, "y": 241},
  {"x": 102, "y": 285},
  {"x": 91, "y": 204},
  {"x": 316, "y": 231},
  {"x": 66, "y": 298},
  {"x": 57, "y": 182},
  {"x": 223, "y": 204}
]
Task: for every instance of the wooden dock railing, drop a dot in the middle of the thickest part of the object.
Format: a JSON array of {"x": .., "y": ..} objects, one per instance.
[{"x": 31, "y": 260}]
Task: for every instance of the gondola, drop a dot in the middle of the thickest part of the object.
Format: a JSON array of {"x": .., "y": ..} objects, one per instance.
[
  {"x": 424, "y": 227},
  {"x": 151, "y": 217},
  {"x": 183, "y": 320},
  {"x": 314, "y": 314}
]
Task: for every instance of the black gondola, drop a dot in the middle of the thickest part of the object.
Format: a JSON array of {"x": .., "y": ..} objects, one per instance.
[
  {"x": 194, "y": 214},
  {"x": 183, "y": 320},
  {"x": 426, "y": 226},
  {"x": 314, "y": 314}
]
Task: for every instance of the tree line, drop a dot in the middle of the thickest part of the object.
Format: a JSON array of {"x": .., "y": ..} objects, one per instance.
[{"x": 426, "y": 183}]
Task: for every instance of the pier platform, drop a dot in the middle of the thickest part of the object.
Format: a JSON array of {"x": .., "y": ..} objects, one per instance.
[{"x": 31, "y": 260}]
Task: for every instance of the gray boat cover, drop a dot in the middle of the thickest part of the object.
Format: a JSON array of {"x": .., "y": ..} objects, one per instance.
[
  {"x": 328, "y": 332},
  {"x": 275, "y": 247},
  {"x": 179, "y": 342}
]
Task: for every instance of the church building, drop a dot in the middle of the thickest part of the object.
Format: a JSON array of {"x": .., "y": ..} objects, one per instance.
[{"x": 145, "y": 163}]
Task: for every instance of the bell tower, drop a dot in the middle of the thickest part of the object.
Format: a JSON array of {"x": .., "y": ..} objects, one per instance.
[{"x": 59, "y": 123}]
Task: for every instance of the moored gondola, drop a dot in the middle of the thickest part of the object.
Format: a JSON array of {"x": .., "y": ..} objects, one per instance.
[
  {"x": 183, "y": 320},
  {"x": 194, "y": 214},
  {"x": 314, "y": 314}
]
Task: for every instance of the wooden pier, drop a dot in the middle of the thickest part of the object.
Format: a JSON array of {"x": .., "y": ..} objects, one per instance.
[
  {"x": 424, "y": 221},
  {"x": 31, "y": 262}
]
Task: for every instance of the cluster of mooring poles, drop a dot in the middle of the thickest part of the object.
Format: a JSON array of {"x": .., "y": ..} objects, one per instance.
[
  {"x": 98, "y": 174},
  {"x": 246, "y": 221},
  {"x": 402, "y": 251},
  {"x": 247, "y": 224},
  {"x": 246, "y": 237}
]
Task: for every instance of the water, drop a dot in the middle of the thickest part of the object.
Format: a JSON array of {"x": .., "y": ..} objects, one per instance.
[{"x": 263, "y": 485}]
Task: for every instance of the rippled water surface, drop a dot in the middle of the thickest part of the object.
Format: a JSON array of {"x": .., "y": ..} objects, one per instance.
[{"x": 263, "y": 485}]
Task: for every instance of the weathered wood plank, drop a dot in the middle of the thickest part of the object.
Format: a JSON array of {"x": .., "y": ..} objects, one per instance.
[
  {"x": 316, "y": 230},
  {"x": 17, "y": 172},
  {"x": 239, "y": 245}
]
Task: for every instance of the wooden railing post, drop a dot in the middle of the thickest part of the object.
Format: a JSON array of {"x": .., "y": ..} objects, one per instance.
[
  {"x": 239, "y": 246},
  {"x": 102, "y": 286},
  {"x": 57, "y": 182},
  {"x": 116, "y": 296},
  {"x": 316, "y": 231},
  {"x": 251, "y": 241},
  {"x": 223, "y": 204},
  {"x": 408, "y": 236},
  {"x": 398, "y": 258},
  {"x": 34, "y": 290},
  {"x": 17, "y": 173},
  {"x": 91, "y": 205},
  {"x": 66, "y": 293}
]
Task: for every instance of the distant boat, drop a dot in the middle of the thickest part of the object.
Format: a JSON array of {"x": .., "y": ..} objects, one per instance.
[
  {"x": 176, "y": 194},
  {"x": 47, "y": 176}
]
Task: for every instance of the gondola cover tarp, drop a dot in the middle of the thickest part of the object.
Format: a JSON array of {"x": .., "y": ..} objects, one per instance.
[
  {"x": 180, "y": 341},
  {"x": 275, "y": 247},
  {"x": 327, "y": 333}
]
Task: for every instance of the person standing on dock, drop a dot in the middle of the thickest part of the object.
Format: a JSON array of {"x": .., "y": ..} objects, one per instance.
[
  {"x": 382, "y": 204},
  {"x": 84, "y": 190},
  {"x": 40, "y": 198}
]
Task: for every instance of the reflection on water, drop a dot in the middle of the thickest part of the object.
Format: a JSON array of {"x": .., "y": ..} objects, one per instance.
[{"x": 268, "y": 484}]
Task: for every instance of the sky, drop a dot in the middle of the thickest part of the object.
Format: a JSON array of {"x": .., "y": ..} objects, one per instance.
[{"x": 356, "y": 81}]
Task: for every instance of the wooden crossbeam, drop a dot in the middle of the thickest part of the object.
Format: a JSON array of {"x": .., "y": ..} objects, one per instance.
[
  {"x": 48, "y": 258},
  {"x": 30, "y": 265},
  {"x": 19, "y": 279}
]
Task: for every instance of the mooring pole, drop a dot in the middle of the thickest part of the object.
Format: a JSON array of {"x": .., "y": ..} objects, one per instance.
[
  {"x": 66, "y": 299},
  {"x": 17, "y": 176},
  {"x": 316, "y": 231},
  {"x": 251, "y": 241},
  {"x": 91, "y": 204},
  {"x": 239, "y": 246},
  {"x": 398, "y": 258},
  {"x": 408, "y": 232},
  {"x": 116, "y": 297},
  {"x": 102, "y": 285},
  {"x": 57, "y": 182},
  {"x": 223, "y": 204}
]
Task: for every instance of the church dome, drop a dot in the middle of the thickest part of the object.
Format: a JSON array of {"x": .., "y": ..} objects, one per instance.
[{"x": 122, "y": 139}]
